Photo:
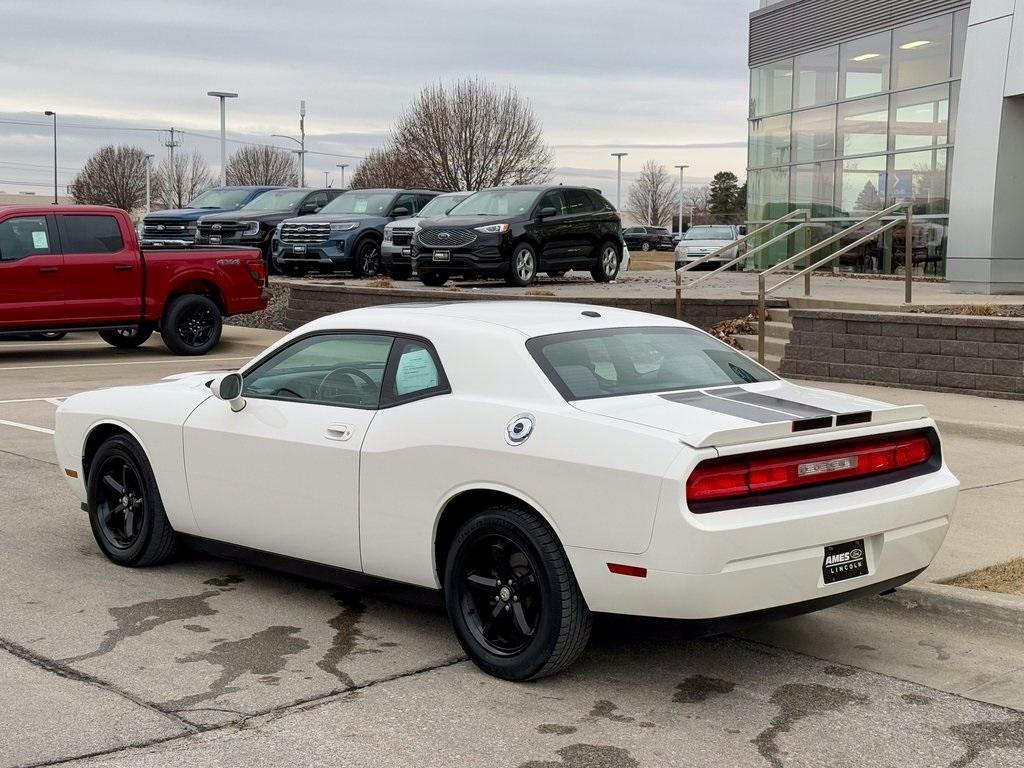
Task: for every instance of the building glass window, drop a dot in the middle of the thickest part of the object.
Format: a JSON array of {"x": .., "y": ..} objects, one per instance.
[
  {"x": 769, "y": 141},
  {"x": 768, "y": 194},
  {"x": 921, "y": 53},
  {"x": 959, "y": 41},
  {"x": 860, "y": 186},
  {"x": 864, "y": 66},
  {"x": 771, "y": 88},
  {"x": 919, "y": 178},
  {"x": 815, "y": 78},
  {"x": 863, "y": 126},
  {"x": 920, "y": 118},
  {"x": 814, "y": 134},
  {"x": 811, "y": 186}
]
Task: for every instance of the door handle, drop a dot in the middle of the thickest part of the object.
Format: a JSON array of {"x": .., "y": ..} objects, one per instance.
[
  {"x": 124, "y": 267},
  {"x": 48, "y": 269},
  {"x": 339, "y": 432}
]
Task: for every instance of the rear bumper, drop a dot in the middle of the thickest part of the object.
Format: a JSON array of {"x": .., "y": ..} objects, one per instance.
[{"x": 748, "y": 567}]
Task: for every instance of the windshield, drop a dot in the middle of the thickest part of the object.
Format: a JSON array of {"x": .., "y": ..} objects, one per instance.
[
  {"x": 497, "y": 202},
  {"x": 630, "y": 361},
  {"x": 372, "y": 203},
  {"x": 441, "y": 205},
  {"x": 277, "y": 200},
  {"x": 709, "y": 233},
  {"x": 221, "y": 198}
]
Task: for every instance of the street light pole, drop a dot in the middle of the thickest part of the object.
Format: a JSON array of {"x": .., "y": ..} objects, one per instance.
[
  {"x": 51, "y": 113},
  {"x": 327, "y": 176},
  {"x": 302, "y": 143},
  {"x": 681, "y": 169},
  {"x": 149, "y": 166},
  {"x": 618, "y": 179},
  {"x": 343, "y": 166},
  {"x": 222, "y": 95}
]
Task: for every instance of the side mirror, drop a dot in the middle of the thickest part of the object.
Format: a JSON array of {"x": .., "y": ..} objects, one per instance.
[
  {"x": 309, "y": 208},
  {"x": 545, "y": 212},
  {"x": 228, "y": 387},
  {"x": 400, "y": 211}
]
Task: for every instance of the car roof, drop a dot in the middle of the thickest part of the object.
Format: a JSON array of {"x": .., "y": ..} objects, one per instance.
[
  {"x": 529, "y": 318},
  {"x": 62, "y": 208},
  {"x": 395, "y": 191}
]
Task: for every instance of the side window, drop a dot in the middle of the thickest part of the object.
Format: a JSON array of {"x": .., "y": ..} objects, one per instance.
[
  {"x": 24, "y": 236},
  {"x": 409, "y": 202},
  {"x": 422, "y": 201},
  {"x": 318, "y": 199},
  {"x": 554, "y": 199},
  {"x": 599, "y": 202},
  {"x": 415, "y": 373},
  {"x": 344, "y": 369},
  {"x": 91, "y": 234},
  {"x": 578, "y": 201}
]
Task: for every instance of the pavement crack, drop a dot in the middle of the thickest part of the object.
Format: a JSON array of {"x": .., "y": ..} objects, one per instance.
[
  {"x": 30, "y": 458},
  {"x": 991, "y": 485},
  {"x": 70, "y": 673}
]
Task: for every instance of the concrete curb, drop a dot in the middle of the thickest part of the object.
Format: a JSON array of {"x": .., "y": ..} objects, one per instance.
[
  {"x": 962, "y": 605},
  {"x": 1002, "y": 433}
]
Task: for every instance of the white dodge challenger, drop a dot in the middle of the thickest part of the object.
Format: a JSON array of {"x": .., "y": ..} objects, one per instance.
[{"x": 534, "y": 461}]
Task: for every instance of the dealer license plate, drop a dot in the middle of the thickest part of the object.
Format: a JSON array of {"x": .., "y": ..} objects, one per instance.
[
  {"x": 214, "y": 239},
  {"x": 407, "y": 251},
  {"x": 298, "y": 249},
  {"x": 844, "y": 561},
  {"x": 442, "y": 255}
]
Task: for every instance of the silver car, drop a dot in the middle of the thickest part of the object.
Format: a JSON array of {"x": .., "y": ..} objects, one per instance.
[
  {"x": 396, "y": 250},
  {"x": 703, "y": 239}
]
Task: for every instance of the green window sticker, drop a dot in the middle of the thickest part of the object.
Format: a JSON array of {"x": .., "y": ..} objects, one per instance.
[
  {"x": 39, "y": 241},
  {"x": 416, "y": 372}
]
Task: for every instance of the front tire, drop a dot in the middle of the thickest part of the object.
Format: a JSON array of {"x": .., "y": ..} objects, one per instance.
[
  {"x": 523, "y": 268},
  {"x": 125, "y": 510},
  {"x": 367, "y": 258},
  {"x": 512, "y": 597},
  {"x": 433, "y": 279},
  {"x": 607, "y": 268},
  {"x": 192, "y": 325},
  {"x": 127, "y": 338}
]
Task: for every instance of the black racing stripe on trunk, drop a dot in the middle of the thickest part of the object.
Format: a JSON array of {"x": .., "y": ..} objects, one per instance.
[
  {"x": 818, "y": 422},
  {"x": 858, "y": 417},
  {"x": 799, "y": 410},
  {"x": 728, "y": 407}
]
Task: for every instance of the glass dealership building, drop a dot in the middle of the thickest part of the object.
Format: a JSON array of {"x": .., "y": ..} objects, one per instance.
[{"x": 854, "y": 106}]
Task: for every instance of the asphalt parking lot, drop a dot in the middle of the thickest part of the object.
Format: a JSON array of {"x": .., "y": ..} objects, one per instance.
[{"x": 210, "y": 662}]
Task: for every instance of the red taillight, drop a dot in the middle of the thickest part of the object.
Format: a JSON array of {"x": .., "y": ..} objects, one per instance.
[
  {"x": 735, "y": 477},
  {"x": 257, "y": 271},
  {"x": 628, "y": 570}
]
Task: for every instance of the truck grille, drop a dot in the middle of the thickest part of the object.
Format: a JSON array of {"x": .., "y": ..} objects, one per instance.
[
  {"x": 164, "y": 227},
  {"x": 446, "y": 237},
  {"x": 402, "y": 235},
  {"x": 305, "y": 233},
  {"x": 220, "y": 227}
]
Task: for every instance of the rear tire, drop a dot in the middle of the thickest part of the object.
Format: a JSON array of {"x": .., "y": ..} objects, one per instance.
[
  {"x": 125, "y": 510},
  {"x": 645, "y": 246},
  {"x": 608, "y": 261},
  {"x": 192, "y": 325},
  {"x": 48, "y": 336},
  {"x": 512, "y": 597},
  {"x": 127, "y": 338},
  {"x": 433, "y": 279}
]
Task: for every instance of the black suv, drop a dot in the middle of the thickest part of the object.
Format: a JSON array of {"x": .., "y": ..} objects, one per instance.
[
  {"x": 516, "y": 232},
  {"x": 647, "y": 238},
  {"x": 254, "y": 223}
]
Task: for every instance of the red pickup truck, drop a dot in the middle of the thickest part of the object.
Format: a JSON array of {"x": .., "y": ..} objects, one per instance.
[{"x": 80, "y": 268}]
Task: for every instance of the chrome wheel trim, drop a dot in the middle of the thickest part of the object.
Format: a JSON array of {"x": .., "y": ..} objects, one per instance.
[
  {"x": 524, "y": 264},
  {"x": 610, "y": 261}
]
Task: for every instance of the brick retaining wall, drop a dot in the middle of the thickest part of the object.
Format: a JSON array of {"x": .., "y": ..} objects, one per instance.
[
  {"x": 309, "y": 301},
  {"x": 945, "y": 353}
]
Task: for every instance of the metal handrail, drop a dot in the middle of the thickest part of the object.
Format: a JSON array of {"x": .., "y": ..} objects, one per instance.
[
  {"x": 800, "y": 212},
  {"x": 908, "y": 258}
]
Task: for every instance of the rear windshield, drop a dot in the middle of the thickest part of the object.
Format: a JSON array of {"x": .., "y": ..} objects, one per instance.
[
  {"x": 709, "y": 233},
  {"x": 629, "y": 361}
]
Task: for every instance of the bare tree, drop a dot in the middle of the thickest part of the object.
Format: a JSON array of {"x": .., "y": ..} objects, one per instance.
[
  {"x": 695, "y": 204},
  {"x": 114, "y": 175},
  {"x": 470, "y": 135},
  {"x": 388, "y": 167},
  {"x": 175, "y": 185},
  {"x": 259, "y": 165},
  {"x": 654, "y": 196}
]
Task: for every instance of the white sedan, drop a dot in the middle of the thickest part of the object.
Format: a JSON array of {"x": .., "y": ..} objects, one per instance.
[{"x": 535, "y": 462}]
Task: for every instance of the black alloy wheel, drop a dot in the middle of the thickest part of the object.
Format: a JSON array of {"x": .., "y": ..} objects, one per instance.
[
  {"x": 367, "y": 259},
  {"x": 511, "y": 595},
  {"x": 192, "y": 325},
  {"x": 127, "y": 338},
  {"x": 120, "y": 502}
]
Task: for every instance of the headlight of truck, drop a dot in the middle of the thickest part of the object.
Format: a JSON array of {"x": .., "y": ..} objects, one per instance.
[
  {"x": 251, "y": 229},
  {"x": 387, "y": 235},
  {"x": 192, "y": 226},
  {"x": 493, "y": 229},
  {"x": 346, "y": 226}
]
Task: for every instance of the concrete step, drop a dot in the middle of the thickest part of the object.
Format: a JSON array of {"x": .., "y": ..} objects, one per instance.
[
  {"x": 772, "y": 345},
  {"x": 777, "y": 330},
  {"x": 810, "y": 302},
  {"x": 778, "y": 315}
]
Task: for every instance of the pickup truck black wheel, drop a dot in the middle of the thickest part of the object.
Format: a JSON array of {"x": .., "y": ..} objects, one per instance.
[
  {"x": 523, "y": 269},
  {"x": 191, "y": 325},
  {"x": 607, "y": 263},
  {"x": 367, "y": 258},
  {"x": 512, "y": 597},
  {"x": 125, "y": 510},
  {"x": 127, "y": 338},
  {"x": 434, "y": 279}
]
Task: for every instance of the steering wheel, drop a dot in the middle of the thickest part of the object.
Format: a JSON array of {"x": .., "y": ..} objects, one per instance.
[
  {"x": 277, "y": 392},
  {"x": 348, "y": 372}
]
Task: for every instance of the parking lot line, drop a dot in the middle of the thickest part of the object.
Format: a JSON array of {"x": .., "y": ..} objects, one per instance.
[
  {"x": 125, "y": 362},
  {"x": 53, "y": 344},
  {"x": 29, "y": 427},
  {"x": 54, "y": 400}
]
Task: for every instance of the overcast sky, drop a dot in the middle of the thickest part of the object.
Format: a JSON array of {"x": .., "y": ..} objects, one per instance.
[{"x": 660, "y": 79}]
